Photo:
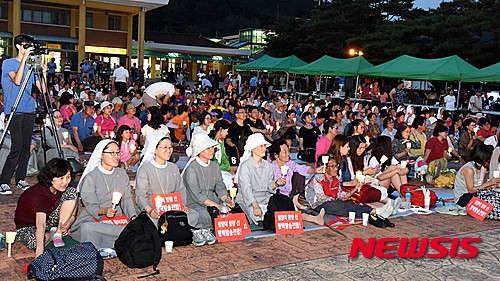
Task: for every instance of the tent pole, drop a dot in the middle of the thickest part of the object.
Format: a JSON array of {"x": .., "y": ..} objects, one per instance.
[
  {"x": 356, "y": 88},
  {"x": 458, "y": 97},
  {"x": 287, "y": 79},
  {"x": 326, "y": 83}
]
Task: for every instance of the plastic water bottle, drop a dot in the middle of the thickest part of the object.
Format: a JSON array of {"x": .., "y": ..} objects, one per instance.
[
  {"x": 408, "y": 200},
  {"x": 224, "y": 211}
]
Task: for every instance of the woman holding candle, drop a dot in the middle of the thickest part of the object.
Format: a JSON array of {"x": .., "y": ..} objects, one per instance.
[
  {"x": 67, "y": 108},
  {"x": 401, "y": 144},
  {"x": 106, "y": 123},
  {"x": 205, "y": 187},
  {"x": 130, "y": 119},
  {"x": 68, "y": 149},
  {"x": 324, "y": 192},
  {"x": 330, "y": 130},
  {"x": 128, "y": 147},
  {"x": 157, "y": 176},
  {"x": 101, "y": 178},
  {"x": 391, "y": 173},
  {"x": 471, "y": 178},
  {"x": 48, "y": 206},
  {"x": 436, "y": 153}
]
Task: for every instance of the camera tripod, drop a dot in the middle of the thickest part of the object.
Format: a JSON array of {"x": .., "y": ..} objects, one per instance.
[{"x": 36, "y": 69}]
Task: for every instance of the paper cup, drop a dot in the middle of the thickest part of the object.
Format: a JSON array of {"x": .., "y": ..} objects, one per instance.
[
  {"x": 383, "y": 159},
  {"x": 284, "y": 170},
  {"x": 65, "y": 135},
  {"x": 325, "y": 159},
  {"x": 365, "y": 219},
  {"x": 408, "y": 145},
  {"x": 232, "y": 192},
  {"x": 403, "y": 164},
  {"x": 352, "y": 216},
  {"x": 10, "y": 237},
  {"x": 116, "y": 198},
  {"x": 496, "y": 174},
  {"x": 168, "y": 246}
]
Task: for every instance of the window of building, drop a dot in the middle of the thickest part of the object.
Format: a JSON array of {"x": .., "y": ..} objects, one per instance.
[
  {"x": 45, "y": 15},
  {"x": 89, "y": 22},
  {"x": 3, "y": 10},
  {"x": 114, "y": 23}
]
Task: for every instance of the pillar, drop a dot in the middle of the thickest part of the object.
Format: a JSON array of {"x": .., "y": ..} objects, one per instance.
[
  {"x": 153, "y": 67},
  {"x": 130, "y": 23},
  {"x": 140, "y": 36},
  {"x": 82, "y": 16},
  {"x": 16, "y": 23}
]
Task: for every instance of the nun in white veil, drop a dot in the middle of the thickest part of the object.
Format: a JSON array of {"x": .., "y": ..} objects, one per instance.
[
  {"x": 158, "y": 176},
  {"x": 100, "y": 179}
]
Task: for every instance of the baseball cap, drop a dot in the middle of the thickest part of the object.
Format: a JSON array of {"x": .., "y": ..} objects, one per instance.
[{"x": 88, "y": 103}]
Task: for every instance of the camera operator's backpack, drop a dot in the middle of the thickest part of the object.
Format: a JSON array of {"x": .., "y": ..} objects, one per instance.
[
  {"x": 173, "y": 226},
  {"x": 139, "y": 244},
  {"x": 277, "y": 202}
]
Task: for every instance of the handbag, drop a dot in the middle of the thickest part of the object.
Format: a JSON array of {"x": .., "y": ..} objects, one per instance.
[
  {"x": 366, "y": 194},
  {"x": 308, "y": 155},
  {"x": 417, "y": 196}
]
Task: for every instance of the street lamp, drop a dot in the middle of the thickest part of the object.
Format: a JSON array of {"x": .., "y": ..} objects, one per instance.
[{"x": 354, "y": 52}]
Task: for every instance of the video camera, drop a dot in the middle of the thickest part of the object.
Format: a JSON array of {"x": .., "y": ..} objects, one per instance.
[{"x": 39, "y": 50}]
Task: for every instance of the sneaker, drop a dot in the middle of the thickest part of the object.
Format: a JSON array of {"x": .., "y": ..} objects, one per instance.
[
  {"x": 396, "y": 203},
  {"x": 58, "y": 241},
  {"x": 209, "y": 236},
  {"x": 198, "y": 238},
  {"x": 31, "y": 172},
  {"x": 387, "y": 222},
  {"x": 462, "y": 211},
  {"x": 376, "y": 221},
  {"x": 447, "y": 210},
  {"x": 23, "y": 185},
  {"x": 5, "y": 189},
  {"x": 2, "y": 242}
]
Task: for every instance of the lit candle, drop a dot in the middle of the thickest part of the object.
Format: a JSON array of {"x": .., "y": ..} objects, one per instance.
[
  {"x": 359, "y": 174},
  {"x": 325, "y": 159},
  {"x": 232, "y": 192},
  {"x": 211, "y": 125},
  {"x": 188, "y": 101},
  {"x": 135, "y": 137},
  {"x": 383, "y": 159},
  {"x": 112, "y": 135},
  {"x": 116, "y": 198},
  {"x": 403, "y": 164},
  {"x": 132, "y": 148},
  {"x": 408, "y": 145},
  {"x": 95, "y": 127},
  {"x": 476, "y": 129},
  {"x": 284, "y": 170},
  {"x": 367, "y": 122},
  {"x": 184, "y": 123},
  {"x": 10, "y": 237},
  {"x": 367, "y": 138},
  {"x": 496, "y": 174},
  {"x": 294, "y": 119}
]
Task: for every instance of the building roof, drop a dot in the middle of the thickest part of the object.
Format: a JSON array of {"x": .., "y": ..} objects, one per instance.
[
  {"x": 147, "y": 4},
  {"x": 181, "y": 39}
]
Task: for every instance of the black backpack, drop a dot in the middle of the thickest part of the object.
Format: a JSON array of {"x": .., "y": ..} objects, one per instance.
[
  {"x": 139, "y": 244},
  {"x": 277, "y": 202},
  {"x": 173, "y": 226}
]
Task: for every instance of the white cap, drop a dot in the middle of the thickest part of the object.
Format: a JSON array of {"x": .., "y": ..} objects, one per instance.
[
  {"x": 107, "y": 103},
  {"x": 199, "y": 142}
]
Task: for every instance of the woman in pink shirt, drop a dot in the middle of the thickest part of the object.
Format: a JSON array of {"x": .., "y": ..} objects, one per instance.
[
  {"x": 67, "y": 108},
  {"x": 330, "y": 130},
  {"x": 128, "y": 147},
  {"x": 130, "y": 120},
  {"x": 106, "y": 122}
]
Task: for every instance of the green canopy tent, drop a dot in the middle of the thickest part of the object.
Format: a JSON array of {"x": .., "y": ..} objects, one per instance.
[
  {"x": 272, "y": 64},
  {"x": 487, "y": 74},
  {"x": 451, "y": 68},
  {"x": 262, "y": 63},
  {"x": 327, "y": 65}
]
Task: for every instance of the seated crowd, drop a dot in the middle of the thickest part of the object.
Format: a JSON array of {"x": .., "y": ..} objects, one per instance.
[{"x": 245, "y": 138}]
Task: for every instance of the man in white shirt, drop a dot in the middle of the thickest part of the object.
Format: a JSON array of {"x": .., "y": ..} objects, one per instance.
[
  {"x": 493, "y": 140},
  {"x": 450, "y": 100},
  {"x": 475, "y": 103},
  {"x": 156, "y": 91},
  {"x": 120, "y": 80}
]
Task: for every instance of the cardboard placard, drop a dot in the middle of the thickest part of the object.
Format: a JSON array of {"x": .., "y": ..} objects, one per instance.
[
  {"x": 288, "y": 222},
  {"x": 229, "y": 228},
  {"x": 167, "y": 202},
  {"x": 121, "y": 220},
  {"x": 478, "y": 208}
]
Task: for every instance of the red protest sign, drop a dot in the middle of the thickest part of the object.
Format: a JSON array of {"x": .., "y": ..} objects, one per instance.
[
  {"x": 243, "y": 219},
  {"x": 229, "y": 228},
  {"x": 167, "y": 202},
  {"x": 478, "y": 208},
  {"x": 288, "y": 222},
  {"x": 121, "y": 220}
]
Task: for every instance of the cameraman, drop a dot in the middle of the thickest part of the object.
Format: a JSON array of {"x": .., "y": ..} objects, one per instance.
[{"x": 14, "y": 72}]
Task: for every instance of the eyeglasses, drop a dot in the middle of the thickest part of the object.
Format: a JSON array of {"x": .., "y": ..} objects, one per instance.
[
  {"x": 333, "y": 166},
  {"x": 113, "y": 153},
  {"x": 59, "y": 116}
]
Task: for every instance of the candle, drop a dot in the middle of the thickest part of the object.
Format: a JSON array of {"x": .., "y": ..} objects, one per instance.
[
  {"x": 367, "y": 139},
  {"x": 116, "y": 198},
  {"x": 476, "y": 129},
  {"x": 65, "y": 135},
  {"x": 184, "y": 123},
  {"x": 132, "y": 148},
  {"x": 325, "y": 159},
  {"x": 188, "y": 101},
  {"x": 383, "y": 159},
  {"x": 359, "y": 174},
  {"x": 211, "y": 125},
  {"x": 496, "y": 174},
  {"x": 294, "y": 119},
  {"x": 135, "y": 137},
  {"x": 10, "y": 237},
  {"x": 367, "y": 122},
  {"x": 112, "y": 135},
  {"x": 403, "y": 164},
  {"x": 95, "y": 127},
  {"x": 408, "y": 145},
  {"x": 268, "y": 127},
  {"x": 450, "y": 149},
  {"x": 233, "y": 191},
  {"x": 284, "y": 170}
]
